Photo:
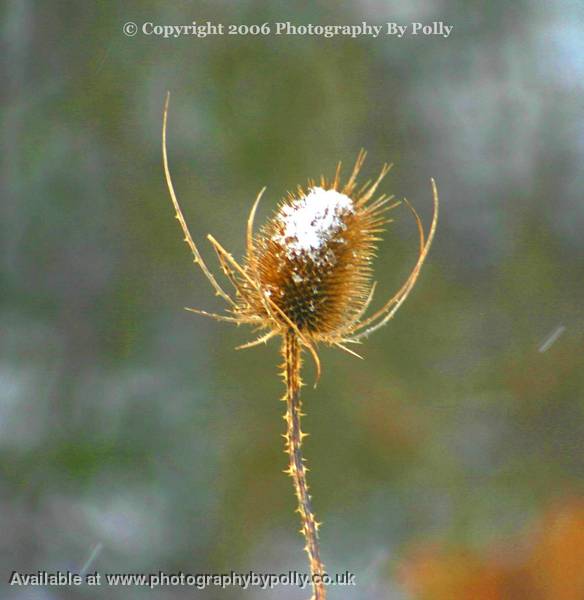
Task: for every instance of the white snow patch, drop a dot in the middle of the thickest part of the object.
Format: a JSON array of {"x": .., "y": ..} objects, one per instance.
[{"x": 311, "y": 221}]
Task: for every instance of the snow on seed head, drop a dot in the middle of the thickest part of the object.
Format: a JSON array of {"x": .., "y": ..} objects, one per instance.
[{"x": 310, "y": 222}]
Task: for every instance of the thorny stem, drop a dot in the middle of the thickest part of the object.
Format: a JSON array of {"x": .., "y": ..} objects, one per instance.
[{"x": 292, "y": 364}]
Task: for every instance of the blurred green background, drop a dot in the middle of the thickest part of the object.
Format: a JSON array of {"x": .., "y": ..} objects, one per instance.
[{"x": 132, "y": 429}]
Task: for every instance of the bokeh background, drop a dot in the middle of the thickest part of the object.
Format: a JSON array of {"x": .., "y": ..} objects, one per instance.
[{"x": 449, "y": 464}]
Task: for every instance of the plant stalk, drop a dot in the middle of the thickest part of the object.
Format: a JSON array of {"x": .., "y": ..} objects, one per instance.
[{"x": 292, "y": 364}]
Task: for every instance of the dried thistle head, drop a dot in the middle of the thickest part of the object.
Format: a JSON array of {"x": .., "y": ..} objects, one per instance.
[
  {"x": 313, "y": 258},
  {"x": 307, "y": 276},
  {"x": 309, "y": 268}
]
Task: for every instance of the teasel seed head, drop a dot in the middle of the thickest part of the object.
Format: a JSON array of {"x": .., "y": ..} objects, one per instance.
[
  {"x": 313, "y": 257},
  {"x": 309, "y": 269}
]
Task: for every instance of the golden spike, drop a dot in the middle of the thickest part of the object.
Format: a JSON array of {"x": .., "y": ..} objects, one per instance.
[
  {"x": 179, "y": 215},
  {"x": 386, "y": 312}
]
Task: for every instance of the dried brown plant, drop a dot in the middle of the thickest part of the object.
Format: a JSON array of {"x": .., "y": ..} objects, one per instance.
[{"x": 307, "y": 277}]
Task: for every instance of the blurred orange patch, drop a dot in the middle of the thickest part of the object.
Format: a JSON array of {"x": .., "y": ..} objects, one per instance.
[{"x": 546, "y": 563}]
